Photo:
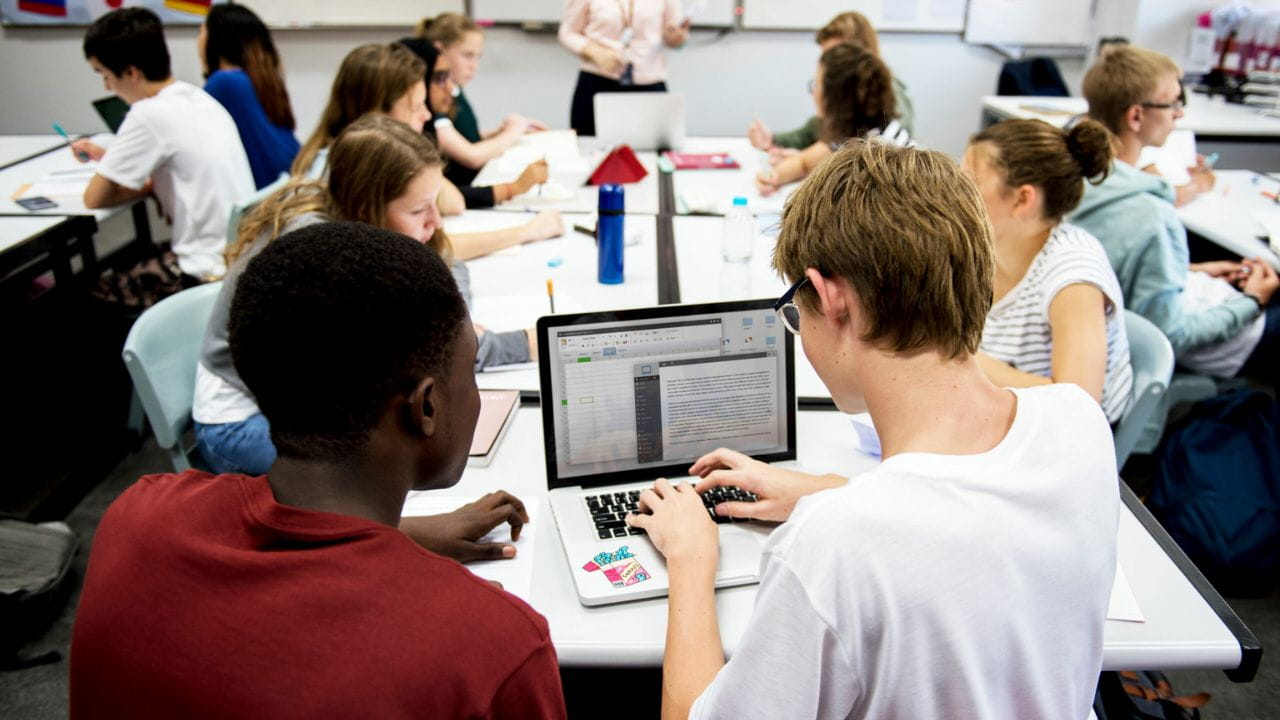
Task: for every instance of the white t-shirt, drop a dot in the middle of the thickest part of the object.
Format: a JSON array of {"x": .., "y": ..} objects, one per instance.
[
  {"x": 1017, "y": 330},
  {"x": 188, "y": 146},
  {"x": 1220, "y": 359},
  {"x": 941, "y": 586}
]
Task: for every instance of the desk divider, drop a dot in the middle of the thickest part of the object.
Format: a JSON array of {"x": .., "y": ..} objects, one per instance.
[{"x": 668, "y": 269}]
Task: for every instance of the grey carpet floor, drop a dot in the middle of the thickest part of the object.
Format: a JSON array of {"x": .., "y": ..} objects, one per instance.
[{"x": 40, "y": 693}]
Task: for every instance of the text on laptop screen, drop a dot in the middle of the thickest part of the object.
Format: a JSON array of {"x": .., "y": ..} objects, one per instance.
[{"x": 633, "y": 394}]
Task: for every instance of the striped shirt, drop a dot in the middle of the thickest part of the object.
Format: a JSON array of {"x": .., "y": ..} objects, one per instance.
[
  {"x": 893, "y": 133},
  {"x": 1017, "y": 330}
]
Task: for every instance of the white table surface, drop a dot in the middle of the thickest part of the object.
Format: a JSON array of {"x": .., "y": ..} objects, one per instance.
[
  {"x": 1180, "y": 631},
  {"x": 706, "y": 277},
  {"x": 714, "y": 190},
  {"x": 31, "y": 171},
  {"x": 509, "y": 290},
  {"x": 1203, "y": 116},
  {"x": 640, "y": 197},
  {"x": 1235, "y": 214},
  {"x": 18, "y": 147},
  {"x": 16, "y": 230}
]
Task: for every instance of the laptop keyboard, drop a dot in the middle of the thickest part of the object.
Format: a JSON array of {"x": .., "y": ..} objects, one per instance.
[{"x": 609, "y": 510}]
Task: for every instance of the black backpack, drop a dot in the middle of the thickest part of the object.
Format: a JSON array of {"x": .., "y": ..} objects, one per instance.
[
  {"x": 35, "y": 581},
  {"x": 1217, "y": 490}
]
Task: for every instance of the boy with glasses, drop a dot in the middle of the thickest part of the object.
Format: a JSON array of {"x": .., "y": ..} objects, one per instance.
[
  {"x": 969, "y": 574},
  {"x": 1217, "y": 315}
]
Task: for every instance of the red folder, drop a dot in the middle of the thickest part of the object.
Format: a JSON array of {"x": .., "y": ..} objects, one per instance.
[
  {"x": 620, "y": 166},
  {"x": 701, "y": 161}
]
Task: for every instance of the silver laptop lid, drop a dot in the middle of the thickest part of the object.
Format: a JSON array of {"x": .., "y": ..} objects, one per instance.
[
  {"x": 643, "y": 120},
  {"x": 636, "y": 394}
]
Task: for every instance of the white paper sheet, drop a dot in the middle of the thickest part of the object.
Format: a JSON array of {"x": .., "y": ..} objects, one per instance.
[
  {"x": 1123, "y": 605},
  {"x": 516, "y": 574},
  {"x": 1173, "y": 158}
]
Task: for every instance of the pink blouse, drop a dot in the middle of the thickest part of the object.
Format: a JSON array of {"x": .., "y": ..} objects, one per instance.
[{"x": 603, "y": 22}]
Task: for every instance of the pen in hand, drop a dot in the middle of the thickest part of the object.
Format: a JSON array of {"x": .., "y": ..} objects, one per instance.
[{"x": 84, "y": 156}]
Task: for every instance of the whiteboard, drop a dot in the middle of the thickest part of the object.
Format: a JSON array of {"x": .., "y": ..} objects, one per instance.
[
  {"x": 1029, "y": 22},
  {"x": 717, "y": 13},
  {"x": 344, "y": 13},
  {"x": 907, "y": 15}
]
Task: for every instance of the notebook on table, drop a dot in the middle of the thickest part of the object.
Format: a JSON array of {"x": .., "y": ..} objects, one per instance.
[
  {"x": 497, "y": 408},
  {"x": 633, "y": 395}
]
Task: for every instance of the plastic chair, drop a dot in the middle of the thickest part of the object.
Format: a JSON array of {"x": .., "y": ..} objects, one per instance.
[
  {"x": 1151, "y": 357},
  {"x": 161, "y": 353},
  {"x": 242, "y": 208}
]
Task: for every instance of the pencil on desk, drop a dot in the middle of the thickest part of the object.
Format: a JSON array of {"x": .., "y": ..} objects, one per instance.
[{"x": 551, "y": 295}]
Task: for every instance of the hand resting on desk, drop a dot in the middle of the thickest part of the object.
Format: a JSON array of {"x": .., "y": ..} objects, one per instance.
[{"x": 455, "y": 534}]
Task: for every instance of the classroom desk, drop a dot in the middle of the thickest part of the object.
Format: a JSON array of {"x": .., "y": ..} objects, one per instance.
[
  {"x": 1187, "y": 624},
  {"x": 13, "y": 177},
  {"x": 509, "y": 288},
  {"x": 640, "y": 197},
  {"x": 1243, "y": 137},
  {"x": 712, "y": 191},
  {"x": 1235, "y": 215},
  {"x": 16, "y": 148},
  {"x": 24, "y": 240}
]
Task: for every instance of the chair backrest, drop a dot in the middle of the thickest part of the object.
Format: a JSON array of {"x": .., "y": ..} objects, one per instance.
[
  {"x": 242, "y": 208},
  {"x": 1151, "y": 357},
  {"x": 161, "y": 353}
]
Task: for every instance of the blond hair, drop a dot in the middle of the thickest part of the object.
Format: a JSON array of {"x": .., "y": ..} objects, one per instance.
[
  {"x": 371, "y": 79},
  {"x": 370, "y": 164},
  {"x": 446, "y": 29},
  {"x": 909, "y": 233},
  {"x": 1123, "y": 77},
  {"x": 851, "y": 27}
]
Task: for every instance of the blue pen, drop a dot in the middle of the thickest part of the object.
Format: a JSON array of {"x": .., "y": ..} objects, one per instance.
[
  {"x": 84, "y": 156},
  {"x": 1212, "y": 160}
]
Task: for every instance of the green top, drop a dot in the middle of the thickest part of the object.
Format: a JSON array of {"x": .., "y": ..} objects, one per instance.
[
  {"x": 464, "y": 118},
  {"x": 809, "y": 133}
]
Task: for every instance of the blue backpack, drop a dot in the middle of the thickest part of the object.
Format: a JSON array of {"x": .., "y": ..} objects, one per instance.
[{"x": 1217, "y": 490}]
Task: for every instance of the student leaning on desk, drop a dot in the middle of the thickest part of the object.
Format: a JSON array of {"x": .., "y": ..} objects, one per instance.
[
  {"x": 966, "y": 576},
  {"x": 1219, "y": 316},
  {"x": 176, "y": 142},
  {"x": 292, "y": 594},
  {"x": 381, "y": 172}
]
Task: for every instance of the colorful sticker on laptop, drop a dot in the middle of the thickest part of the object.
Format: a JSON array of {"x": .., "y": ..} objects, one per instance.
[{"x": 620, "y": 568}]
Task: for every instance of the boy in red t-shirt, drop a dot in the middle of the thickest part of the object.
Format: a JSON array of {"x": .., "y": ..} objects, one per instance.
[{"x": 294, "y": 594}]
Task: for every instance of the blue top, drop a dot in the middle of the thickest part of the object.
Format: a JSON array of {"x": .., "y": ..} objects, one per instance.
[{"x": 270, "y": 147}]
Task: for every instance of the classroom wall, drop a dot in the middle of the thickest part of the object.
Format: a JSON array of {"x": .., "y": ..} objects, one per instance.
[{"x": 726, "y": 79}]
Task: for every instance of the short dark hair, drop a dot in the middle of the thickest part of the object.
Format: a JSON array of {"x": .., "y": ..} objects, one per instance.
[
  {"x": 129, "y": 36},
  {"x": 330, "y": 323}
]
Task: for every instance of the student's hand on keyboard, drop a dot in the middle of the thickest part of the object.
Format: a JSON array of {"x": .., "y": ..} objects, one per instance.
[
  {"x": 777, "y": 490},
  {"x": 675, "y": 520},
  {"x": 455, "y": 534}
]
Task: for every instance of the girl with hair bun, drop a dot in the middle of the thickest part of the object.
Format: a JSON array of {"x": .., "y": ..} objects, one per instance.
[{"x": 1058, "y": 308}]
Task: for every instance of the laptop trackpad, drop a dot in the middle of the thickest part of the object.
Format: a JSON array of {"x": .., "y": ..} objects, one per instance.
[{"x": 739, "y": 554}]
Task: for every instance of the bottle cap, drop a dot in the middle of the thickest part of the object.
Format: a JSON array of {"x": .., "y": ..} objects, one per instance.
[
  {"x": 611, "y": 198},
  {"x": 739, "y": 201}
]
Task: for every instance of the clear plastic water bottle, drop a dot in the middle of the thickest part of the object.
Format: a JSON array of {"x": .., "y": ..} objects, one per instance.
[{"x": 739, "y": 238}]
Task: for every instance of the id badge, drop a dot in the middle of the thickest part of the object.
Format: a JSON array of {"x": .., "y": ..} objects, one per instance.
[{"x": 627, "y": 35}]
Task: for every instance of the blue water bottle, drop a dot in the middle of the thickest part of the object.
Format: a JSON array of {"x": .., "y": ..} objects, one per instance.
[{"x": 609, "y": 237}]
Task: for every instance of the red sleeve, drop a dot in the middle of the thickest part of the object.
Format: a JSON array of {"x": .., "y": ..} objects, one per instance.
[{"x": 533, "y": 689}]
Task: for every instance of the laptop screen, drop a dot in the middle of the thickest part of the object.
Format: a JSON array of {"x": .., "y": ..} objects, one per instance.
[{"x": 636, "y": 394}]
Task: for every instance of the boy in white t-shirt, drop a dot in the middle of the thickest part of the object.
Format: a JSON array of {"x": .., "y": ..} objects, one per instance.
[
  {"x": 968, "y": 575},
  {"x": 176, "y": 142}
]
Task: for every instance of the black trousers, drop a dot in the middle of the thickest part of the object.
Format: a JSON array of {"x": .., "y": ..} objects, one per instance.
[{"x": 582, "y": 115}]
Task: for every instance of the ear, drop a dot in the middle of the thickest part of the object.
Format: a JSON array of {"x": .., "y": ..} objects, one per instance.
[
  {"x": 422, "y": 407},
  {"x": 1133, "y": 118},
  {"x": 833, "y": 300},
  {"x": 439, "y": 45},
  {"x": 1026, "y": 198}
]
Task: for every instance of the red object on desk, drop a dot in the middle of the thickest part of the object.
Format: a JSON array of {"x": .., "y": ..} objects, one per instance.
[
  {"x": 701, "y": 161},
  {"x": 620, "y": 166}
]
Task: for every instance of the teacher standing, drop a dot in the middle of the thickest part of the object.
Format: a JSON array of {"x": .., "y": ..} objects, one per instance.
[{"x": 621, "y": 43}]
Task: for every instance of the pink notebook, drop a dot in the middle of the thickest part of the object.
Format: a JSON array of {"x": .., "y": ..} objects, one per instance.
[
  {"x": 497, "y": 407},
  {"x": 701, "y": 161}
]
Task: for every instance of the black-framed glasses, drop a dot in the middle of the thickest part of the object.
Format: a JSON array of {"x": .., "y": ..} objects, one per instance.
[
  {"x": 787, "y": 309},
  {"x": 440, "y": 77},
  {"x": 1176, "y": 105}
]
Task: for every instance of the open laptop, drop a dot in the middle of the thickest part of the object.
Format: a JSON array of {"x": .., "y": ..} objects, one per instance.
[
  {"x": 112, "y": 111},
  {"x": 629, "y": 396},
  {"x": 643, "y": 120}
]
